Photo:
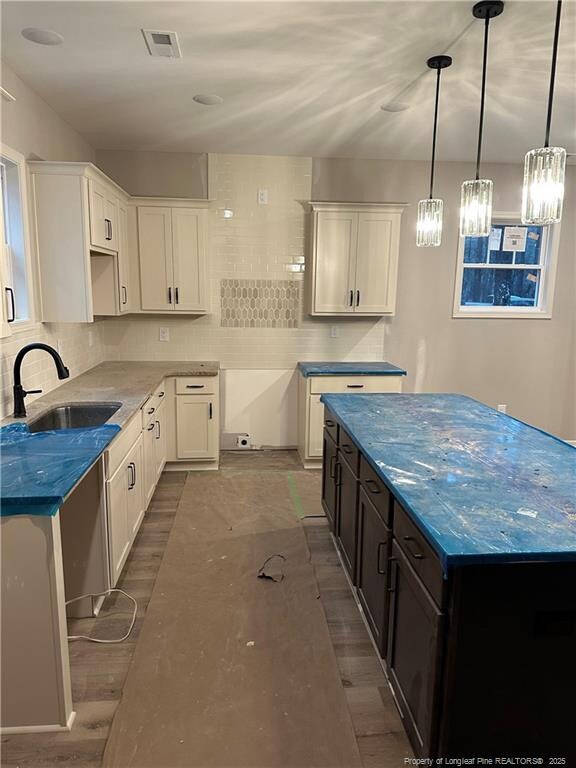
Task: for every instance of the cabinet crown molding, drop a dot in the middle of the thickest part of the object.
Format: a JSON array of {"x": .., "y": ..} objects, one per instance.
[{"x": 324, "y": 205}]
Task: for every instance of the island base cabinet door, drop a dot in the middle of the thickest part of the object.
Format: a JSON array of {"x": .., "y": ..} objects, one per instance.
[
  {"x": 315, "y": 427},
  {"x": 329, "y": 479},
  {"x": 374, "y": 539},
  {"x": 118, "y": 529},
  {"x": 347, "y": 515},
  {"x": 196, "y": 427},
  {"x": 413, "y": 653}
]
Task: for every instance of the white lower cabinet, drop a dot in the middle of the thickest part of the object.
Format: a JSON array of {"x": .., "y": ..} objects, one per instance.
[
  {"x": 125, "y": 507},
  {"x": 196, "y": 427},
  {"x": 315, "y": 427}
]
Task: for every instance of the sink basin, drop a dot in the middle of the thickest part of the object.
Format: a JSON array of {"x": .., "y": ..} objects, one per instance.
[{"x": 74, "y": 416}]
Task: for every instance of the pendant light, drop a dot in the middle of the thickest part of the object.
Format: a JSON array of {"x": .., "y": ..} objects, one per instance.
[
  {"x": 429, "y": 222},
  {"x": 476, "y": 200},
  {"x": 544, "y": 168}
]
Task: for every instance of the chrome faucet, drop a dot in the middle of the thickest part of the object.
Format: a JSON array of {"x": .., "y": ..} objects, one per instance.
[{"x": 19, "y": 391}]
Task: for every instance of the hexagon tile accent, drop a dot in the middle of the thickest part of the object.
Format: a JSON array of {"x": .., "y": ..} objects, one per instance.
[{"x": 259, "y": 303}]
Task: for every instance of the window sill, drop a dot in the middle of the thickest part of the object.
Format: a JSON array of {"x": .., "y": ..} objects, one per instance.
[{"x": 489, "y": 315}]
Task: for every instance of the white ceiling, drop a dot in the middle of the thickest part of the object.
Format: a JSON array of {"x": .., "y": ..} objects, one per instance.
[{"x": 299, "y": 78}]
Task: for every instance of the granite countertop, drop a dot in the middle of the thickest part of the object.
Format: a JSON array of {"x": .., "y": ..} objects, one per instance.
[
  {"x": 40, "y": 469},
  {"x": 482, "y": 486},
  {"x": 350, "y": 369},
  {"x": 130, "y": 383}
]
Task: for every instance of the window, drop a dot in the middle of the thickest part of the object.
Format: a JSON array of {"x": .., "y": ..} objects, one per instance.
[
  {"x": 14, "y": 260},
  {"x": 508, "y": 274}
]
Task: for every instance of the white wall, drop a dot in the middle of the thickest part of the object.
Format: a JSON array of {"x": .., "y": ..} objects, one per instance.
[{"x": 31, "y": 127}]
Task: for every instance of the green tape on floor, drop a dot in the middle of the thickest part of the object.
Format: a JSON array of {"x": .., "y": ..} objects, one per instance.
[{"x": 295, "y": 496}]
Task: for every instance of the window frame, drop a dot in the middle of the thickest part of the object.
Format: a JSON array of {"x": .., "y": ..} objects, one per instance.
[
  {"x": 30, "y": 322},
  {"x": 547, "y": 268}
]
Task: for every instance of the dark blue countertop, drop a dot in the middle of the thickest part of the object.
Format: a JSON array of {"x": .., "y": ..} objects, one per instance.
[
  {"x": 38, "y": 470},
  {"x": 350, "y": 369},
  {"x": 482, "y": 486}
]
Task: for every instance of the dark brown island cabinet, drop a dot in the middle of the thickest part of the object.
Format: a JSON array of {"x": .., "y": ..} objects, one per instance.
[{"x": 481, "y": 660}]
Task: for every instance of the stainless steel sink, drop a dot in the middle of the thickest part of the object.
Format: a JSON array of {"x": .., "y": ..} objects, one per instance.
[{"x": 74, "y": 416}]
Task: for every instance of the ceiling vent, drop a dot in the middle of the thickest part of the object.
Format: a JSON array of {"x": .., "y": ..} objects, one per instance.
[{"x": 161, "y": 43}]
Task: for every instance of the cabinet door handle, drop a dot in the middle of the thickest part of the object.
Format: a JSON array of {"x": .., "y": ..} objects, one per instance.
[
  {"x": 194, "y": 386},
  {"x": 132, "y": 481},
  {"x": 176, "y": 297},
  {"x": 10, "y": 292},
  {"x": 338, "y": 475},
  {"x": 108, "y": 235},
  {"x": 351, "y": 301},
  {"x": 357, "y": 298},
  {"x": 169, "y": 295},
  {"x": 124, "y": 295},
  {"x": 355, "y": 386},
  {"x": 381, "y": 571},
  {"x": 210, "y": 411},
  {"x": 150, "y": 427},
  {"x": 415, "y": 555},
  {"x": 372, "y": 486},
  {"x": 331, "y": 467},
  {"x": 158, "y": 425}
]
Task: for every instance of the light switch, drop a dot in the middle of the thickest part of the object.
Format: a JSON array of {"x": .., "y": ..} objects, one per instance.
[{"x": 164, "y": 333}]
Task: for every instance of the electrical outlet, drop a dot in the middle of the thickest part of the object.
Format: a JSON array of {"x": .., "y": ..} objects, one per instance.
[
  {"x": 502, "y": 408},
  {"x": 262, "y": 197},
  {"x": 334, "y": 331},
  {"x": 244, "y": 440},
  {"x": 164, "y": 334}
]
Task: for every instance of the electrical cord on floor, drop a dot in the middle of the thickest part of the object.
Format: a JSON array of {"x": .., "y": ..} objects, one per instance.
[{"x": 106, "y": 592}]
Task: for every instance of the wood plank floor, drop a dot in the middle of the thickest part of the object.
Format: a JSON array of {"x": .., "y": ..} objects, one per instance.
[{"x": 98, "y": 671}]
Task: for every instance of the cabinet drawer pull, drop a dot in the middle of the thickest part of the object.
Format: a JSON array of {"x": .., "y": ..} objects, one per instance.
[
  {"x": 415, "y": 555},
  {"x": 150, "y": 427},
  {"x": 372, "y": 486},
  {"x": 331, "y": 469},
  {"x": 329, "y": 423},
  {"x": 381, "y": 571},
  {"x": 12, "y": 305},
  {"x": 161, "y": 394},
  {"x": 347, "y": 448},
  {"x": 355, "y": 386},
  {"x": 195, "y": 386},
  {"x": 151, "y": 411}
]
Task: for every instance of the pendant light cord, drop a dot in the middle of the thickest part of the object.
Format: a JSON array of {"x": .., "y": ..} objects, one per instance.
[
  {"x": 434, "y": 133},
  {"x": 553, "y": 72},
  {"x": 483, "y": 95}
]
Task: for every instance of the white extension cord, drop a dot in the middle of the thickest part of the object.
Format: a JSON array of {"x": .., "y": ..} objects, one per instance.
[{"x": 100, "y": 594}]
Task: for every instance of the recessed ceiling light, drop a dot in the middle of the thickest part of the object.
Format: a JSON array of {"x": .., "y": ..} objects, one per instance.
[
  {"x": 395, "y": 106},
  {"x": 42, "y": 36},
  {"x": 208, "y": 99}
]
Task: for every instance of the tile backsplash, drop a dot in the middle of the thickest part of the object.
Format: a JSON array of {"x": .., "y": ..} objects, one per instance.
[{"x": 259, "y": 303}]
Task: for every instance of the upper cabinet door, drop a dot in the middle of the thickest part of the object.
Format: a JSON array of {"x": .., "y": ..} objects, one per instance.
[
  {"x": 334, "y": 257},
  {"x": 155, "y": 246},
  {"x": 124, "y": 284},
  {"x": 376, "y": 263},
  {"x": 189, "y": 262},
  {"x": 103, "y": 216}
]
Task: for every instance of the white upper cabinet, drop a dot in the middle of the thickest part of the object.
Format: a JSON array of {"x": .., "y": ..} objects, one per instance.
[
  {"x": 354, "y": 258},
  {"x": 81, "y": 242},
  {"x": 172, "y": 258}
]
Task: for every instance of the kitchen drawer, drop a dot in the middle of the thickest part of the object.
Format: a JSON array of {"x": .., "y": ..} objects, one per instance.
[
  {"x": 196, "y": 385},
  {"x": 419, "y": 553},
  {"x": 335, "y": 384},
  {"x": 376, "y": 491},
  {"x": 348, "y": 450},
  {"x": 122, "y": 444},
  {"x": 330, "y": 424}
]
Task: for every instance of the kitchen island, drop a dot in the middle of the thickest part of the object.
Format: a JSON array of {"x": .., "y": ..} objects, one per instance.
[{"x": 457, "y": 526}]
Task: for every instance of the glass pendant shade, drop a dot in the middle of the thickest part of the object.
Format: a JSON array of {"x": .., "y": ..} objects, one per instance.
[
  {"x": 476, "y": 208},
  {"x": 543, "y": 191},
  {"x": 429, "y": 223}
]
